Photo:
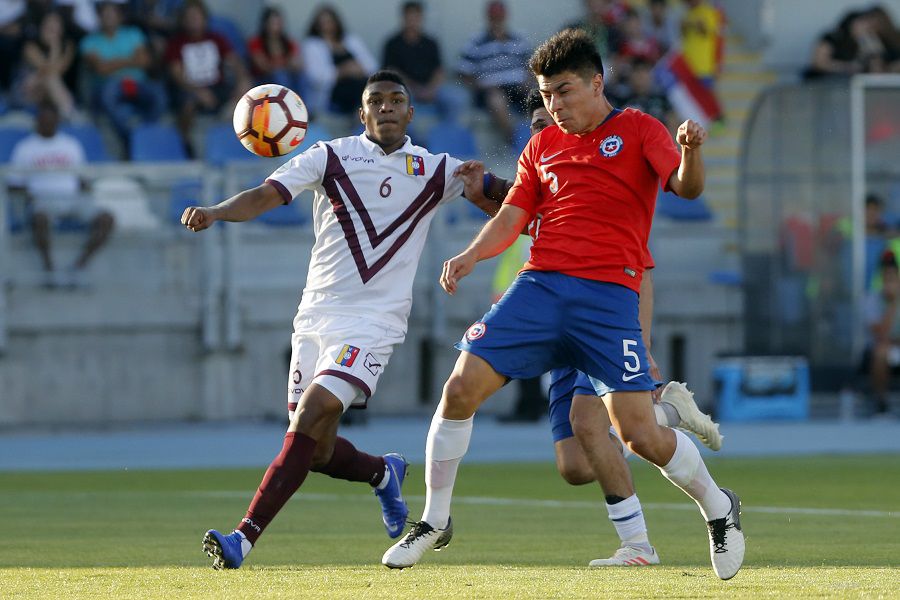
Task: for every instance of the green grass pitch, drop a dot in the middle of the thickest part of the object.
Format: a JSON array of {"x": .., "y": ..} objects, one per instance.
[{"x": 816, "y": 527}]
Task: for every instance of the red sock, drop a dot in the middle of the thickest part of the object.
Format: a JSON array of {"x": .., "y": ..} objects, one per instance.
[
  {"x": 352, "y": 465},
  {"x": 283, "y": 477}
]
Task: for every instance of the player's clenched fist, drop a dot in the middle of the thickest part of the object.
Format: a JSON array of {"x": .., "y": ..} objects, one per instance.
[
  {"x": 690, "y": 134},
  {"x": 455, "y": 269},
  {"x": 197, "y": 218}
]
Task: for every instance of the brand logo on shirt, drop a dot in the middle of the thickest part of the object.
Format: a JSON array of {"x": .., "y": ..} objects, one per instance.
[
  {"x": 630, "y": 272},
  {"x": 611, "y": 146},
  {"x": 347, "y": 356},
  {"x": 476, "y": 331},
  {"x": 371, "y": 364},
  {"x": 363, "y": 159},
  {"x": 415, "y": 165},
  {"x": 546, "y": 158}
]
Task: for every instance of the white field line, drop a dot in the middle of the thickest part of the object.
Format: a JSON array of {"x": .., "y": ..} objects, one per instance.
[{"x": 569, "y": 504}]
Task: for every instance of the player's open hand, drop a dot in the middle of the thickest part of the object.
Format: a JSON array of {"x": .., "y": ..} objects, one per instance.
[
  {"x": 472, "y": 174},
  {"x": 197, "y": 218},
  {"x": 691, "y": 134},
  {"x": 455, "y": 269}
]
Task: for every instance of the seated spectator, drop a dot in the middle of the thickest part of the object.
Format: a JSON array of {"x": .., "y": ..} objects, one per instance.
[
  {"x": 700, "y": 30},
  {"x": 49, "y": 57},
  {"x": 158, "y": 19},
  {"x": 645, "y": 97},
  {"x": 883, "y": 354},
  {"x": 274, "y": 57},
  {"x": 883, "y": 26},
  {"x": 493, "y": 65},
  {"x": 635, "y": 44},
  {"x": 205, "y": 71},
  {"x": 117, "y": 59},
  {"x": 54, "y": 194},
  {"x": 601, "y": 21},
  {"x": 337, "y": 64},
  {"x": 417, "y": 57},
  {"x": 853, "y": 47},
  {"x": 661, "y": 25}
]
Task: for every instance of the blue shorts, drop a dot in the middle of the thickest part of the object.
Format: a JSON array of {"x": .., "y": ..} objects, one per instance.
[
  {"x": 547, "y": 320},
  {"x": 565, "y": 383}
]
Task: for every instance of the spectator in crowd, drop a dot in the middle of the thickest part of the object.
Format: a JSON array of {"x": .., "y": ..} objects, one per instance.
[
  {"x": 158, "y": 19},
  {"x": 883, "y": 356},
  {"x": 338, "y": 64},
  {"x": 118, "y": 59},
  {"x": 853, "y": 47},
  {"x": 203, "y": 67},
  {"x": 700, "y": 29},
  {"x": 660, "y": 24},
  {"x": 601, "y": 21},
  {"x": 56, "y": 194},
  {"x": 635, "y": 43},
  {"x": 82, "y": 14},
  {"x": 49, "y": 57},
  {"x": 275, "y": 57},
  {"x": 417, "y": 57},
  {"x": 883, "y": 26},
  {"x": 645, "y": 97},
  {"x": 11, "y": 34},
  {"x": 493, "y": 65}
]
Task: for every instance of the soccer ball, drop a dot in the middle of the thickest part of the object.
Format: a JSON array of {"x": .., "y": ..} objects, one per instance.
[{"x": 270, "y": 120}]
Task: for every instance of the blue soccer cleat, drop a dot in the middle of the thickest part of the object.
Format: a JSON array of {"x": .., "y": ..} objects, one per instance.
[
  {"x": 225, "y": 550},
  {"x": 393, "y": 506}
]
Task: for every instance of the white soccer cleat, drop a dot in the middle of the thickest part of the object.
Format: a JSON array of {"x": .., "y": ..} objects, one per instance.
[
  {"x": 726, "y": 540},
  {"x": 421, "y": 538},
  {"x": 692, "y": 420},
  {"x": 628, "y": 556}
]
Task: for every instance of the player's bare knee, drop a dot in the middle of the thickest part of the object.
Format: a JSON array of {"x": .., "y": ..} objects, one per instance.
[
  {"x": 460, "y": 395},
  {"x": 642, "y": 440},
  {"x": 575, "y": 474}
]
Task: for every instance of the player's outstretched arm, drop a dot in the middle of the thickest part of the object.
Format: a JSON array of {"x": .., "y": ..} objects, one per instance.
[
  {"x": 247, "y": 205},
  {"x": 495, "y": 237},
  {"x": 485, "y": 192},
  {"x": 688, "y": 180}
]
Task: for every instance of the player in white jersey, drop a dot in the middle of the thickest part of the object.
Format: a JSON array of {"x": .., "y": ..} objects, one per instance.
[{"x": 375, "y": 197}]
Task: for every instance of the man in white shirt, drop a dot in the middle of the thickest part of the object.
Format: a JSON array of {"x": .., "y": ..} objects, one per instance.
[
  {"x": 56, "y": 194},
  {"x": 375, "y": 196}
]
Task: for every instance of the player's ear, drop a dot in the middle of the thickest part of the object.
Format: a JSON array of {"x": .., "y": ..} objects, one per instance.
[
  {"x": 362, "y": 115},
  {"x": 597, "y": 84},
  {"x": 409, "y": 113}
]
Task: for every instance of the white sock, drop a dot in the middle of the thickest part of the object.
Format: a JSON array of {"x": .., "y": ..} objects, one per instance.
[
  {"x": 688, "y": 472},
  {"x": 447, "y": 443},
  {"x": 628, "y": 519},
  {"x": 246, "y": 546},
  {"x": 666, "y": 414}
]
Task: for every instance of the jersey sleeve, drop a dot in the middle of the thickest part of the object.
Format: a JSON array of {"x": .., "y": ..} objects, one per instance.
[
  {"x": 453, "y": 186},
  {"x": 526, "y": 190},
  {"x": 303, "y": 172},
  {"x": 659, "y": 149}
]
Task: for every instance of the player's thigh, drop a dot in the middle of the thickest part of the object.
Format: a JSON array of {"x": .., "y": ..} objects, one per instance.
[
  {"x": 304, "y": 355},
  {"x": 603, "y": 337},
  {"x": 356, "y": 351},
  {"x": 520, "y": 336}
]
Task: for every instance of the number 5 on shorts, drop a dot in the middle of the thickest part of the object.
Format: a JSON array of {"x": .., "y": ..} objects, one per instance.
[{"x": 629, "y": 355}]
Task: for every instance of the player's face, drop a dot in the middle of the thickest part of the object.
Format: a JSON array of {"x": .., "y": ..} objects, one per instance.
[
  {"x": 574, "y": 103},
  {"x": 385, "y": 112},
  {"x": 540, "y": 119}
]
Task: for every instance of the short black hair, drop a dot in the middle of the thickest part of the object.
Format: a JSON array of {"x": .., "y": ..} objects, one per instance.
[
  {"x": 412, "y": 5},
  {"x": 387, "y": 75},
  {"x": 533, "y": 102},
  {"x": 569, "y": 50},
  {"x": 314, "y": 30},
  {"x": 874, "y": 200}
]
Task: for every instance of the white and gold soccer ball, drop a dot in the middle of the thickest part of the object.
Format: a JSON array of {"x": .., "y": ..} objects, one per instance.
[{"x": 270, "y": 120}]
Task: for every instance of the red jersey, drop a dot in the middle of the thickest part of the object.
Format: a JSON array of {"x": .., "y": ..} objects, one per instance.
[{"x": 593, "y": 196}]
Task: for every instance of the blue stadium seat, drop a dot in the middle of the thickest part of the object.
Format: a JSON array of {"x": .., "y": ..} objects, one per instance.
[
  {"x": 231, "y": 32},
  {"x": 186, "y": 192},
  {"x": 91, "y": 140},
  {"x": 454, "y": 139},
  {"x": 156, "y": 143},
  {"x": 9, "y": 137},
  {"x": 670, "y": 205},
  {"x": 289, "y": 215},
  {"x": 222, "y": 146}
]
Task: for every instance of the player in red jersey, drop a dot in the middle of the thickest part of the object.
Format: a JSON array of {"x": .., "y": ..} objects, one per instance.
[{"x": 590, "y": 185}]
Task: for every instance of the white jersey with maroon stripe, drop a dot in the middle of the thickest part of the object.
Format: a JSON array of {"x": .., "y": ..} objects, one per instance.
[{"x": 371, "y": 214}]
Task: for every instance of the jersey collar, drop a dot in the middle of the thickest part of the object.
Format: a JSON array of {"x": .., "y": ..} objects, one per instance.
[{"x": 374, "y": 148}]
